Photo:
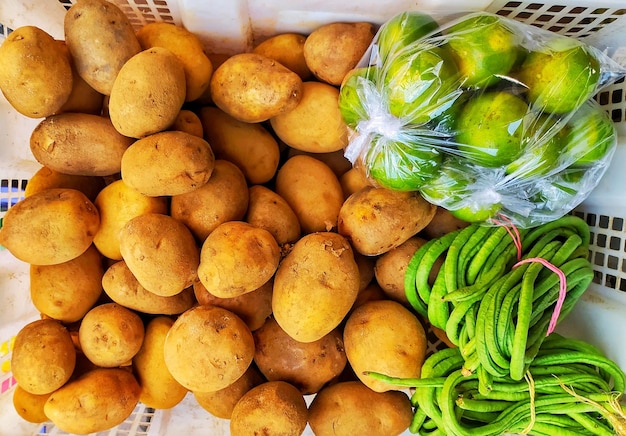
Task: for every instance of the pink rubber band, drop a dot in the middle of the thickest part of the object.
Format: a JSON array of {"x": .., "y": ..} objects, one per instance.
[{"x": 513, "y": 232}]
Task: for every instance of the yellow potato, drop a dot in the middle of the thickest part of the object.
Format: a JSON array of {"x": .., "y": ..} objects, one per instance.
[
  {"x": 68, "y": 290},
  {"x": 99, "y": 60},
  {"x": 43, "y": 356},
  {"x": 312, "y": 190},
  {"x": 186, "y": 47},
  {"x": 287, "y": 49},
  {"x": 148, "y": 93},
  {"x": 47, "y": 178},
  {"x": 352, "y": 181},
  {"x": 188, "y": 121},
  {"x": 50, "y": 227},
  {"x": 159, "y": 389},
  {"x": 99, "y": 400},
  {"x": 268, "y": 210},
  {"x": 35, "y": 72},
  {"x": 29, "y": 406},
  {"x": 249, "y": 146},
  {"x": 117, "y": 204},
  {"x": 253, "y": 88},
  {"x": 334, "y": 159},
  {"x": 315, "y": 123},
  {"x": 442, "y": 223}
]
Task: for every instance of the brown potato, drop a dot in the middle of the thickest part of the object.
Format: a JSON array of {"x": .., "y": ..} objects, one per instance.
[
  {"x": 268, "y": 210},
  {"x": 47, "y": 178},
  {"x": 287, "y": 49},
  {"x": 250, "y": 146},
  {"x": 43, "y": 356},
  {"x": 35, "y": 72},
  {"x": 68, "y": 290},
  {"x": 50, "y": 227},
  {"x": 442, "y": 223},
  {"x": 29, "y": 406},
  {"x": 159, "y": 389},
  {"x": 307, "y": 366},
  {"x": 254, "y": 88},
  {"x": 366, "y": 266},
  {"x": 148, "y": 93},
  {"x": 161, "y": 252},
  {"x": 237, "y": 258},
  {"x": 252, "y": 307},
  {"x": 352, "y": 181},
  {"x": 188, "y": 121},
  {"x": 312, "y": 190},
  {"x": 273, "y": 407},
  {"x": 375, "y": 220},
  {"x": 397, "y": 336},
  {"x": 315, "y": 123},
  {"x": 208, "y": 348},
  {"x": 350, "y": 408},
  {"x": 223, "y": 198},
  {"x": 334, "y": 159},
  {"x": 79, "y": 144},
  {"x": 99, "y": 400},
  {"x": 99, "y": 60},
  {"x": 371, "y": 292},
  {"x": 110, "y": 335},
  {"x": 315, "y": 286},
  {"x": 122, "y": 287},
  {"x": 167, "y": 163},
  {"x": 333, "y": 49}
]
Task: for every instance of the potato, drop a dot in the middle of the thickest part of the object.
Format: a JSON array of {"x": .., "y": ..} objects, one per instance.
[
  {"x": 312, "y": 190},
  {"x": 79, "y": 144},
  {"x": 68, "y": 290},
  {"x": 29, "y": 406},
  {"x": 99, "y": 400},
  {"x": 122, "y": 287},
  {"x": 159, "y": 389},
  {"x": 110, "y": 335},
  {"x": 252, "y": 307},
  {"x": 366, "y": 266},
  {"x": 315, "y": 286},
  {"x": 148, "y": 93},
  {"x": 375, "y": 220},
  {"x": 397, "y": 336},
  {"x": 35, "y": 72},
  {"x": 161, "y": 253},
  {"x": 43, "y": 356},
  {"x": 287, "y": 49},
  {"x": 333, "y": 49},
  {"x": 315, "y": 123},
  {"x": 307, "y": 366},
  {"x": 334, "y": 159},
  {"x": 221, "y": 403},
  {"x": 268, "y": 210},
  {"x": 352, "y": 181},
  {"x": 188, "y": 121},
  {"x": 442, "y": 223},
  {"x": 237, "y": 258},
  {"x": 253, "y": 88},
  {"x": 50, "y": 227},
  {"x": 99, "y": 60},
  {"x": 350, "y": 408},
  {"x": 167, "y": 163},
  {"x": 223, "y": 198},
  {"x": 273, "y": 407},
  {"x": 117, "y": 204},
  {"x": 249, "y": 146},
  {"x": 371, "y": 292},
  {"x": 47, "y": 178},
  {"x": 208, "y": 348},
  {"x": 187, "y": 47}
]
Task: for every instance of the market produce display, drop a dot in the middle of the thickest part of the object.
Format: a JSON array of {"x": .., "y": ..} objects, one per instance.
[{"x": 198, "y": 228}]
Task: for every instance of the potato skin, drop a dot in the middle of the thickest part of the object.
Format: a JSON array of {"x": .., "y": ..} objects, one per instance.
[
  {"x": 315, "y": 286},
  {"x": 29, "y": 406},
  {"x": 79, "y": 144},
  {"x": 97, "y": 401},
  {"x": 35, "y": 73},
  {"x": 47, "y": 178},
  {"x": 270, "y": 211},
  {"x": 349, "y": 408},
  {"x": 287, "y": 49},
  {"x": 50, "y": 227},
  {"x": 167, "y": 163},
  {"x": 99, "y": 60}
]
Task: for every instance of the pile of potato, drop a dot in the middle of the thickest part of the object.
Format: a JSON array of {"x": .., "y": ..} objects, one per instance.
[{"x": 195, "y": 228}]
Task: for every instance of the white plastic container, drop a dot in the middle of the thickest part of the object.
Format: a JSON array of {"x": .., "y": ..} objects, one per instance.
[{"x": 236, "y": 25}]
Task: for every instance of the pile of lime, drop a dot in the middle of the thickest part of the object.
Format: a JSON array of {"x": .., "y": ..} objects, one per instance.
[{"x": 485, "y": 116}]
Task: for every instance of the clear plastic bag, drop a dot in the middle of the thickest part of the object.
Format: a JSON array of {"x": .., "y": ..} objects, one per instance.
[{"x": 485, "y": 116}]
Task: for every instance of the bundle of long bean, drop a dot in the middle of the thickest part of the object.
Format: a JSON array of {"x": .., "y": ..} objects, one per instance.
[
  {"x": 496, "y": 295},
  {"x": 570, "y": 388}
]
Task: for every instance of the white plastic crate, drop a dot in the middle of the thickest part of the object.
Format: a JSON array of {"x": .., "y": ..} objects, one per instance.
[{"x": 236, "y": 25}]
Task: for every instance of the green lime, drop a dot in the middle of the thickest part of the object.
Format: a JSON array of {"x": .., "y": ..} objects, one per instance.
[
  {"x": 420, "y": 83},
  {"x": 402, "y": 166},
  {"x": 358, "y": 88},
  {"x": 484, "y": 47},
  {"x": 490, "y": 128},
  {"x": 402, "y": 30},
  {"x": 561, "y": 75}
]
